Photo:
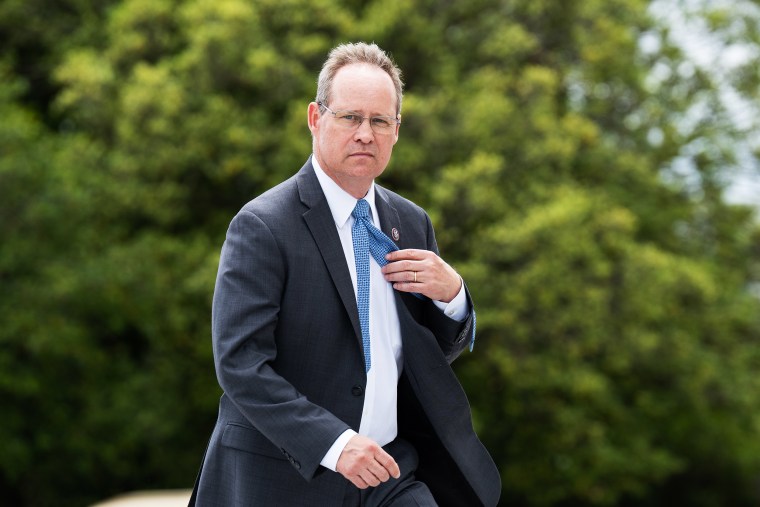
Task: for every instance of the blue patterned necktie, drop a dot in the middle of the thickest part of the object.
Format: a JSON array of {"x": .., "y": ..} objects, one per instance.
[{"x": 367, "y": 240}]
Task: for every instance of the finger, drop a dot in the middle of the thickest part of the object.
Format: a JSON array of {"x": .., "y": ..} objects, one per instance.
[
  {"x": 369, "y": 478},
  {"x": 359, "y": 482},
  {"x": 405, "y": 265},
  {"x": 379, "y": 471},
  {"x": 411, "y": 254},
  {"x": 395, "y": 266},
  {"x": 408, "y": 287},
  {"x": 387, "y": 462},
  {"x": 405, "y": 277}
]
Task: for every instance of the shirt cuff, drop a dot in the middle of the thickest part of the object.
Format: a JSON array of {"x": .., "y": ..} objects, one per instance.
[
  {"x": 331, "y": 458},
  {"x": 457, "y": 309}
]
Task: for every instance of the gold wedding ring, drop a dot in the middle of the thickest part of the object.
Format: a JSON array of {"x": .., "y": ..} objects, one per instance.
[{"x": 415, "y": 276}]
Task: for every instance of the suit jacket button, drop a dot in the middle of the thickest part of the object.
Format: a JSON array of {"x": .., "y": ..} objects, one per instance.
[{"x": 357, "y": 390}]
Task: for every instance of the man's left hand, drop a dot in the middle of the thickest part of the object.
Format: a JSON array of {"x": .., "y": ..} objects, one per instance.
[{"x": 423, "y": 272}]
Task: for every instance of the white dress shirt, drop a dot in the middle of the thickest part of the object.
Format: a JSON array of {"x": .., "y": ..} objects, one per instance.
[{"x": 379, "y": 421}]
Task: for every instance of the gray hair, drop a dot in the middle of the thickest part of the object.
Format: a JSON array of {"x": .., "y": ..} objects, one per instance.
[{"x": 359, "y": 52}]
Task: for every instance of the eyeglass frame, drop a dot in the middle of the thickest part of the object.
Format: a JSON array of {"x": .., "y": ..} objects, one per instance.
[{"x": 390, "y": 119}]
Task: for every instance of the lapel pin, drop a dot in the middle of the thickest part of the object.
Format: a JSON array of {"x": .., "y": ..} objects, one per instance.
[{"x": 394, "y": 233}]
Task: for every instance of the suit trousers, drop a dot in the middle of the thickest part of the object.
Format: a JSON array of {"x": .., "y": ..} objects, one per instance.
[{"x": 405, "y": 491}]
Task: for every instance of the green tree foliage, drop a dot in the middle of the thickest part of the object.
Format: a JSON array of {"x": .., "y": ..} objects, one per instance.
[{"x": 617, "y": 354}]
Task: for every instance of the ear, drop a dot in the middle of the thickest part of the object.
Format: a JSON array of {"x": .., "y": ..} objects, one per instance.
[
  {"x": 398, "y": 126},
  {"x": 313, "y": 117}
]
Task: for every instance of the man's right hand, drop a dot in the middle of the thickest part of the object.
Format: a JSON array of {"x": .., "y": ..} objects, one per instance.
[{"x": 365, "y": 463}]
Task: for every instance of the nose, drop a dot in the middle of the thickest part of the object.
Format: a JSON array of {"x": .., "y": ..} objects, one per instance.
[{"x": 364, "y": 132}]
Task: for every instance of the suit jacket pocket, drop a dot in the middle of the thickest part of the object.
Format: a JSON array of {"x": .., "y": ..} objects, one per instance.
[{"x": 249, "y": 439}]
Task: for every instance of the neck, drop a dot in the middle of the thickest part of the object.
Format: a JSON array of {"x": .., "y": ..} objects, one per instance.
[
  {"x": 356, "y": 187},
  {"x": 358, "y": 190}
]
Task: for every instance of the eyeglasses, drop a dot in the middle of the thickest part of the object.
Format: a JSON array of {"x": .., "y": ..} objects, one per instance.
[{"x": 352, "y": 120}]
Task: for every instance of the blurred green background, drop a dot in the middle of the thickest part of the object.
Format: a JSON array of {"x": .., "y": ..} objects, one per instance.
[{"x": 573, "y": 158}]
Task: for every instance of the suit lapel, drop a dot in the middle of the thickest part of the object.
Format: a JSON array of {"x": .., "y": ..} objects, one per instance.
[
  {"x": 389, "y": 219},
  {"x": 320, "y": 222}
]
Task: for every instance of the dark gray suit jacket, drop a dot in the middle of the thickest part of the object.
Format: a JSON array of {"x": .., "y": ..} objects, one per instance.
[{"x": 288, "y": 355}]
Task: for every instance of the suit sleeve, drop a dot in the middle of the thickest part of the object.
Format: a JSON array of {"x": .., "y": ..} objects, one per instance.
[{"x": 246, "y": 305}]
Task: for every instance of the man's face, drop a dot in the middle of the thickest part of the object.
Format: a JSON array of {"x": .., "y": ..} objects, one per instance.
[{"x": 353, "y": 157}]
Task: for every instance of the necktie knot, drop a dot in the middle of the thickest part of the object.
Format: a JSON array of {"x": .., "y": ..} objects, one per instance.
[{"x": 361, "y": 210}]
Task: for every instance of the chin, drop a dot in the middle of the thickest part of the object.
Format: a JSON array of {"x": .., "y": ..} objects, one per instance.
[
  {"x": 363, "y": 167},
  {"x": 367, "y": 172}
]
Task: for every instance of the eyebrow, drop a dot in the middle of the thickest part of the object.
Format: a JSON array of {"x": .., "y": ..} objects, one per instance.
[{"x": 371, "y": 115}]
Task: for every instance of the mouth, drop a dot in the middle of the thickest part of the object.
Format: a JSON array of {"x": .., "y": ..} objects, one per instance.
[{"x": 361, "y": 154}]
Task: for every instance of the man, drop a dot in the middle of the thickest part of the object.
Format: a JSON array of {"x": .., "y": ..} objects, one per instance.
[{"x": 335, "y": 370}]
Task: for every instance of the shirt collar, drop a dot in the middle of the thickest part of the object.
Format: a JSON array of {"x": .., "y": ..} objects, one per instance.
[{"x": 341, "y": 203}]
